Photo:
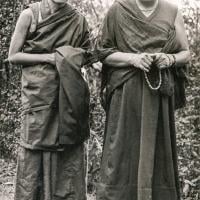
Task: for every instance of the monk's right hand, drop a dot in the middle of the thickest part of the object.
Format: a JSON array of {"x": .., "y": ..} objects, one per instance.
[
  {"x": 51, "y": 59},
  {"x": 142, "y": 61}
]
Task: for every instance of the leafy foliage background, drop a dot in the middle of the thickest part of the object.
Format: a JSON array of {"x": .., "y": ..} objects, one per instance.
[{"x": 188, "y": 119}]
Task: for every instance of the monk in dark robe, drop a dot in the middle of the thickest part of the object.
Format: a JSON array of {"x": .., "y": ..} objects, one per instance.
[
  {"x": 139, "y": 159},
  {"x": 50, "y": 42}
]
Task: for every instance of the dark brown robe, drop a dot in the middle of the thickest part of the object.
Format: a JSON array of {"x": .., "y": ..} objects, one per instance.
[
  {"x": 41, "y": 125},
  {"x": 139, "y": 159},
  {"x": 54, "y": 98}
]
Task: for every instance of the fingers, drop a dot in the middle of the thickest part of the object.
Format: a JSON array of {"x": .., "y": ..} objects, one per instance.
[
  {"x": 142, "y": 61},
  {"x": 146, "y": 62},
  {"x": 157, "y": 56},
  {"x": 147, "y": 58},
  {"x": 162, "y": 60},
  {"x": 144, "y": 66},
  {"x": 163, "y": 64}
]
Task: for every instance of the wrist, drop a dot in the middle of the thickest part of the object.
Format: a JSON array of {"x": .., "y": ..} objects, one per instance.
[
  {"x": 49, "y": 58},
  {"x": 172, "y": 59},
  {"x": 44, "y": 58},
  {"x": 130, "y": 59}
]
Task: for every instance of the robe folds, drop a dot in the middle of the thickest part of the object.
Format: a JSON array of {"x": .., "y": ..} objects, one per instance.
[
  {"x": 73, "y": 96},
  {"x": 55, "y": 99},
  {"x": 42, "y": 125},
  {"x": 55, "y": 118},
  {"x": 139, "y": 160}
]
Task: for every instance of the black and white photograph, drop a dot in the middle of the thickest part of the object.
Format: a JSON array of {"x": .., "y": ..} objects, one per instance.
[{"x": 99, "y": 99}]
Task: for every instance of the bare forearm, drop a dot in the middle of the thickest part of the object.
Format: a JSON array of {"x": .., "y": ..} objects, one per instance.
[
  {"x": 29, "y": 59},
  {"x": 182, "y": 58},
  {"x": 142, "y": 61},
  {"x": 118, "y": 59}
]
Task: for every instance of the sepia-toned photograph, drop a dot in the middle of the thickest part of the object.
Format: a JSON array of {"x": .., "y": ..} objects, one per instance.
[{"x": 100, "y": 100}]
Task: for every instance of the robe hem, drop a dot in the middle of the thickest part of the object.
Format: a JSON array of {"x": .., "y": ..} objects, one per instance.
[
  {"x": 40, "y": 148},
  {"x": 134, "y": 185}
]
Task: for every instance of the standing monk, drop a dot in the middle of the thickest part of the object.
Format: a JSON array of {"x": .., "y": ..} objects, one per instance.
[
  {"x": 49, "y": 42},
  {"x": 139, "y": 159}
]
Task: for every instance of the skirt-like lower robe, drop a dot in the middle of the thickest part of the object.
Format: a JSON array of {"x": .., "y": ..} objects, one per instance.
[
  {"x": 44, "y": 175},
  {"x": 139, "y": 160},
  {"x": 51, "y": 156},
  {"x": 132, "y": 108}
]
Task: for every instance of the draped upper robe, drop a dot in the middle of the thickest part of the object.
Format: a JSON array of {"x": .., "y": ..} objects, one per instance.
[
  {"x": 42, "y": 124},
  {"x": 139, "y": 160}
]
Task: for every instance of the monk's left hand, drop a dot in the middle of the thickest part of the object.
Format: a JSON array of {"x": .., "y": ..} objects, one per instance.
[{"x": 163, "y": 60}]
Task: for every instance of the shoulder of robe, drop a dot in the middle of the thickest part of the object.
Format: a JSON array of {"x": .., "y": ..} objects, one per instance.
[
  {"x": 26, "y": 14},
  {"x": 33, "y": 5},
  {"x": 25, "y": 18},
  {"x": 171, "y": 7},
  {"x": 29, "y": 16}
]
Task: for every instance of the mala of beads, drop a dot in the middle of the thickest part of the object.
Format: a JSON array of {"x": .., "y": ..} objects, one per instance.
[
  {"x": 172, "y": 62},
  {"x": 150, "y": 85}
]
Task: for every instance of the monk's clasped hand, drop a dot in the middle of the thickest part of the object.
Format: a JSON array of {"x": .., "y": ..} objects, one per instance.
[
  {"x": 163, "y": 60},
  {"x": 142, "y": 61},
  {"x": 50, "y": 58}
]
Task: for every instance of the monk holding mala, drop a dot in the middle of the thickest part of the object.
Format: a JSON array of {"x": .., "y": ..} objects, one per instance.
[
  {"x": 49, "y": 42},
  {"x": 139, "y": 159}
]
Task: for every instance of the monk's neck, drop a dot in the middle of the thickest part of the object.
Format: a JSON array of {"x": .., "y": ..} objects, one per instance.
[
  {"x": 54, "y": 6},
  {"x": 147, "y": 3}
]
